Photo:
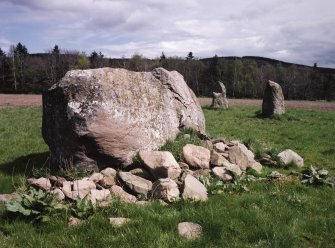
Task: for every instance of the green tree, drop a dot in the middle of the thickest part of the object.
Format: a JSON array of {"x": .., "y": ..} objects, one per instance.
[
  {"x": 189, "y": 56},
  {"x": 2, "y": 64},
  {"x": 82, "y": 62}
]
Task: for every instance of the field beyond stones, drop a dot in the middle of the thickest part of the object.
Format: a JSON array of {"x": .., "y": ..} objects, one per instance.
[
  {"x": 270, "y": 214},
  {"x": 7, "y": 100}
]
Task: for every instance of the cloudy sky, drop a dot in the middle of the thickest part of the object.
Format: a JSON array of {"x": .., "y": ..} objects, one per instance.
[{"x": 299, "y": 31}]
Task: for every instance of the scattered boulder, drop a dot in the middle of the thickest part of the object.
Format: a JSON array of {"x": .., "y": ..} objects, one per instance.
[
  {"x": 118, "y": 192},
  {"x": 108, "y": 178},
  {"x": 118, "y": 222},
  {"x": 222, "y": 173},
  {"x": 194, "y": 189},
  {"x": 4, "y": 198},
  {"x": 288, "y": 156},
  {"x": 160, "y": 164},
  {"x": 96, "y": 177},
  {"x": 58, "y": 193},
  {"x": 218, "y": 160},
  {"x": 189, "y": 230},
  {"x": 220, "y": 147},
  {"x": 241, "y": 156},
  {"x": 273, "y": 100},
  {"x": 136, "y": 184},
  {"x": 256, "y": 166},
  {"x": 165, "y": 189},
  {"x": 104, "y": 116},
  {"x": 99, "y": 195},
  {"x": 219, "y": 100},
  {"x": 73, "y": 221},
  {"x": 42, "y": 183},
  {"x": 82, "y": 185},
  {"x": 140, "y": 172},
  {"x": 196, "y": 156}
]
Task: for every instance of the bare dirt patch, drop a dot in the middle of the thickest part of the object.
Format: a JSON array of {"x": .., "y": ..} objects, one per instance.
[
  {"x": 36, "y": 100},
  {"x": 8, "y": 100},
  {"x": 312, "y": 105}
]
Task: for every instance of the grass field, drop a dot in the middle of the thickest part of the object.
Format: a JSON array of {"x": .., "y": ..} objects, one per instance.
[{"x": 270, "y": 214}]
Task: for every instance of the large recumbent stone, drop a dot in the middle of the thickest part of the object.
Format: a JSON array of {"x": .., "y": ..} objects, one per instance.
[{"x": 102, "y": 117}]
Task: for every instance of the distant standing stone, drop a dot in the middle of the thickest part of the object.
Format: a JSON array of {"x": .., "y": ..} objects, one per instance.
[
  {"x": 219, "y": 100},
  {"x": 273, "y": 100}
]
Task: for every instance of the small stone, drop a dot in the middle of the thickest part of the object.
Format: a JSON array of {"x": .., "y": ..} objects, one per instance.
[
  {"x": 80, "y": 185},
  {"x": 194, "y": 189},
  {"x": 165, "y": 189},
  {"x": 220, "y": 147},
  {"x": 96, "y": 177},
  {"x": 288, "y": 156},
  {"x": 222, "y": 173},
  {"x": 196, "y": 156},
  {"x": 118, "y": 192},
  {"x": 183, "y": 166},
  {"x": 99, "y": 195},
  {"x": 218, "y": 160},
  {"x": 108, "y": 181},
  {"x": 140, "y": 172},
  {"x": 42, "y": 183},
  {"x": 160, "y": 164},
  {"x": 137, "y": 184},
  {"x": 73, "y": 221},
  {"x": 4, "y": 198},
  {"x": 58, "y": 193},
  {"x": 189, "y": 230},
  {"x": 108, "y": 172},
  {"x": 256, "y": 166},
  {"x": 141, "y": 203},
  {"x": 187, "y": 136},
  {"x": 118, "y": 222}
]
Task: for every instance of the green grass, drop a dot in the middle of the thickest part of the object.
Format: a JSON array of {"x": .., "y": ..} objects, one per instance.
[
  {"x": 310, "y": 133},
  {"x": 21, "y": 144},
  {"x": 271, "y": 214}
]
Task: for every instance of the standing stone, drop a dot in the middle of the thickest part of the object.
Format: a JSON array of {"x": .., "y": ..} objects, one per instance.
[
  {"x": 102, "y": 117},
  {"x": 273, "y": 100},
  {"x": 220, "y": 99}
]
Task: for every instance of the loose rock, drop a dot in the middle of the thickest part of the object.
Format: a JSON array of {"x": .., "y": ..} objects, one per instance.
[
  {"x": 165, "y": 189},
  {"x": 118, "y": 192},
  {"x": 160, "y": 164},
  {"x": 222, "y": 173},
  {"x": 189, "y": 230},
  {"x": 137, "y": 184},
  {"x": 196, "y": 156},
  {"x": 42, "y": 183},
  {"x": 288, "y": 156},
  {"x": 118, "y": 222},
  {"x": 194, "y": 189}
]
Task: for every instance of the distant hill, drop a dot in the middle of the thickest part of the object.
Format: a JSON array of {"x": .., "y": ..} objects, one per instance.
[{"x": 244, "y": 77}]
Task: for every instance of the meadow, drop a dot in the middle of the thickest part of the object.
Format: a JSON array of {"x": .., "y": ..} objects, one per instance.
[{"x": 270, "y": 214}]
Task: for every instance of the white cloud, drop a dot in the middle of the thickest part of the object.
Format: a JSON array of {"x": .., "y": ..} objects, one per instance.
[{"x": 292, "y": 30}]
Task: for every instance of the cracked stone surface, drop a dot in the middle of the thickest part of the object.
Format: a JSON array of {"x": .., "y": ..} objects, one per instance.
[{"x": 102, "y": 117}]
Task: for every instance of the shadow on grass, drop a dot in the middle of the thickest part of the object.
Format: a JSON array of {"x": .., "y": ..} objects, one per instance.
[{"x": 24, "y": 165}]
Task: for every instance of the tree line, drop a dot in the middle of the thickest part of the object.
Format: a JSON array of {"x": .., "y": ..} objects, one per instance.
[{"x": 21, "y": 72}]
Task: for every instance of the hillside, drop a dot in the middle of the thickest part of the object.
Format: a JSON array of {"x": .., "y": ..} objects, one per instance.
[{"x": 244, "y": 77}]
